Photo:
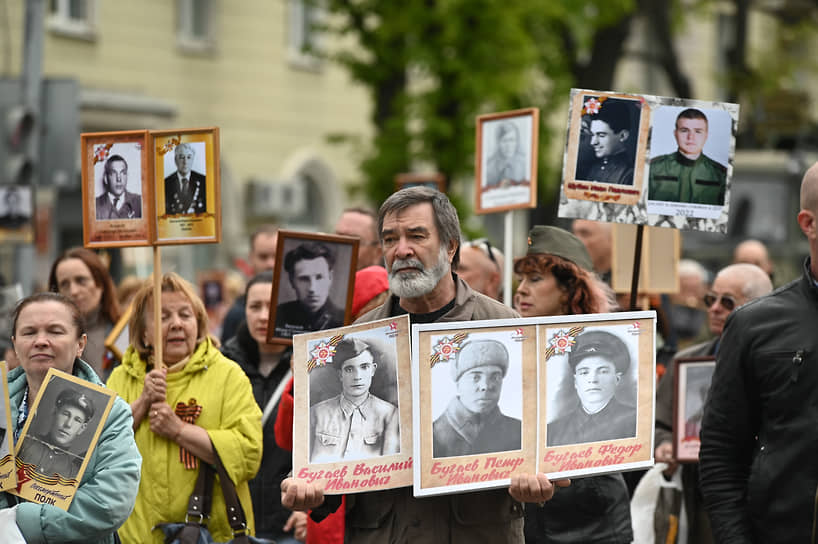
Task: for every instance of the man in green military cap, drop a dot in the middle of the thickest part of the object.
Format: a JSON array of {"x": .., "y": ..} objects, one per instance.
[{"x": 688, "y": 175}]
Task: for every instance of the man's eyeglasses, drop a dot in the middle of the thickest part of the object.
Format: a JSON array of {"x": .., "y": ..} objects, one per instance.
[
  {"x": 484, "y": 245},
  {"x": 727, "y": 302}
]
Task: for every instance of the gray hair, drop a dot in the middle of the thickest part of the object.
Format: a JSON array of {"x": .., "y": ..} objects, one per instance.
[
  {"x": 446, "y": 219},
  {"x": 183, "y": 147},
  {"x": 755, "y": 282}
]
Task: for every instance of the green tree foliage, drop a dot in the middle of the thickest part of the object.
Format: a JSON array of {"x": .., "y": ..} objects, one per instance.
[{"x": 431, "y": 66}]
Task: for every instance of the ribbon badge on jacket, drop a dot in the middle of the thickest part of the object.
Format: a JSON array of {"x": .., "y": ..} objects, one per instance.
[{"x": 188, "y": 413}]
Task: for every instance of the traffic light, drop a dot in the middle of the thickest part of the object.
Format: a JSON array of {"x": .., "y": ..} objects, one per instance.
[
  {"x": 17, "y": 131},
  {"x": 19, "y": 161}
]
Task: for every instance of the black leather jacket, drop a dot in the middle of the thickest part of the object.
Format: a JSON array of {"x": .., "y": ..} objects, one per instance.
[{"x": 759, "y": 455}]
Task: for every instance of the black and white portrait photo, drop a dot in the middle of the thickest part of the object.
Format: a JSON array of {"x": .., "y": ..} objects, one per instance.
[
  {"x": 693, "y": 378},
  {"x": 313, "y": 283},
  {"x": 592, "y": 389},
  {"x": 477, "y": 397},
  {"x": 506, "y": 159},
  {"x": 608, "y": 139},
  {"x": 353, "y": 400},
  {"x": 15, "y": 206},
  {"x": 63, "y": 428},
  {"x": 118, "y": 183},
  {"x": 186, "y": 186},
  {"x": 5, "y": 421}
]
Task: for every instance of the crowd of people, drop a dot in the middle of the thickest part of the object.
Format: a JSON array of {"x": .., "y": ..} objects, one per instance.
[{"x": 230, "y": 400}]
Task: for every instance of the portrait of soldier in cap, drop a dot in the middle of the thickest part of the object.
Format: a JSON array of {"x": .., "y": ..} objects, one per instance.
[
  {"x": 472, "y": 422},
  {"x": 612, "y": 130},
  {"x": 598, "y": 360},
  {"x": 54, "y": 451},
  {"x": 354, "y": 424}
]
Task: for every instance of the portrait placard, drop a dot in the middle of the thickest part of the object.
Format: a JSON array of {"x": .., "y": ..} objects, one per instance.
[
  {"x": 353, "y": 416},
  {"x": 188, "y": 186},
  {"x": 474, "y": 398},
  {"x": 659, "y": 268},
  {"x": 506, "y": 160},
  {"x": 16, "y": 213},
  {"x": 8, "y": 474},
  {"x": 649, "y": 160},
  {"x": 59, "y": 438},
  {"x": 312, "y": 284},
  {"x": 596, "y": 384},
  {"x": 119, "y": 339},
  {"x": 116, "y": 189},
  {"x": 691, "y": 384},
  {"x": 433, "y": 180}
]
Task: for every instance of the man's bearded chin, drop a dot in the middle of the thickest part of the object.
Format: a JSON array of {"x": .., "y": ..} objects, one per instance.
[{"x": 417, "y": 282}]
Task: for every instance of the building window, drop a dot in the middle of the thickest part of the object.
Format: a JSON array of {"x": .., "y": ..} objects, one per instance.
[
  {"x": 303, "y": 39},
  {"x": 74, "y": 18},
  {"x": 194, "y": 25}
]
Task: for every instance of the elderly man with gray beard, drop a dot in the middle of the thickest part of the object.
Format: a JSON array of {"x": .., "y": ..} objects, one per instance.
[{"x": 420, "y": 234}]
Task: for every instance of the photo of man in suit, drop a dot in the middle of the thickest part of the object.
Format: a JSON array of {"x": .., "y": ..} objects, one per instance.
[
  {"x": 185, "y": 189},
  {"x": 14, "y": 214},
  {"x": 116, "y": 202},
  {"x": 473, "y": 423},
  {"x": 52, "y": 452}
]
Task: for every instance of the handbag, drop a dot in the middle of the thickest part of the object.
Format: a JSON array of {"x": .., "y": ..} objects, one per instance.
[{"x": 194, "y": 529}]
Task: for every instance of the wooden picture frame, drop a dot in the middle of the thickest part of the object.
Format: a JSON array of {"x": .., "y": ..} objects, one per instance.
[
  {"x": 506, "y": 160},
  {"x": 445, "y": 354},
  {"x": 619, "y": 347},
  {"x": 433, "y": 180},
  {"x": 691, "y": 382},
  {"x": 381, "y": 457},
  {"x": 119, "y": 339},
  {"x": 187, "y": 203},
  {"x": 659, "y": 268},
  {"x": 8, "y": 470},
  {"x": 117, "y": 189},
  {"x": 56, "y": 464},
  {"x": 293, "y": 309},
  {"x": 587, "y": 175}
]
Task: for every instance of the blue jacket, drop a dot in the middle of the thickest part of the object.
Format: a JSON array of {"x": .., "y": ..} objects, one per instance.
[{"x": 107, "y": 492}]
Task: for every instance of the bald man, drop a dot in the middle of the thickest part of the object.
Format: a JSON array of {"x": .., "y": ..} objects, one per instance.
[
  {"x": 598, "y": 240},
  {"x": 734, "y": 285},
  {"x": 754, "y": 252},
  {"x": 481, "y": 266},
  {"x": 757, "y": 459}
]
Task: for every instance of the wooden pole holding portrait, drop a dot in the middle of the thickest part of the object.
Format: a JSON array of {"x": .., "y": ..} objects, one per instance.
[{"x": 151, "y": 188}]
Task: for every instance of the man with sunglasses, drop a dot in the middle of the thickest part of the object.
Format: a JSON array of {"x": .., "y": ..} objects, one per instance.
[
  {"x": 758, "y": 458},
  {"x": 734, "y": 285}
]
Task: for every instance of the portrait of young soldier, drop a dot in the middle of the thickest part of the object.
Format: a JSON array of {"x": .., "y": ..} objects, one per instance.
[
  {"x": 688, "y": 175},
  {"x": 612, "y": 134},
  {"x": 598, "y": 360},
  {"x": 116, "y": 202},
  {"x": 472, "y": 423},
  {"x": 508, "y": 161},
  {"x": 354, "y": 424},
  {"x": 54, "y": 452},
  {"x": 309, "y": 270},
  {"x": 185, "y": 189}
]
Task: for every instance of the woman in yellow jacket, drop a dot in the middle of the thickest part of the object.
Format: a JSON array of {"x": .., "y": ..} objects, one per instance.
[{"x": 200, "y": 404}]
